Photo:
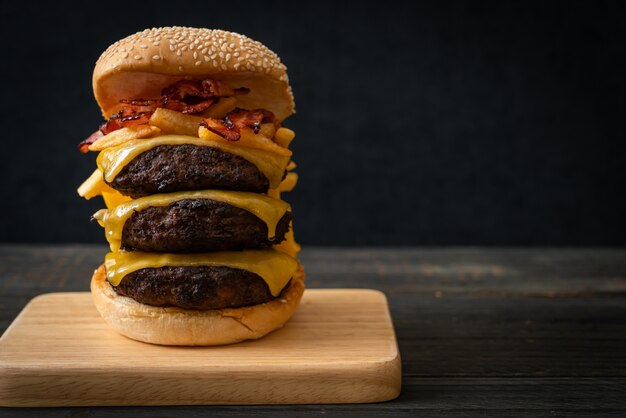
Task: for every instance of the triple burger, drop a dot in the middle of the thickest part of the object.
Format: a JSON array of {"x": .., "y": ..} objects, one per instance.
[{"x": 191, "y": 164}]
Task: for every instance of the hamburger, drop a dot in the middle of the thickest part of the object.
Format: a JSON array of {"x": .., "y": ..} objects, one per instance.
[{"x": 192, "y": 160}]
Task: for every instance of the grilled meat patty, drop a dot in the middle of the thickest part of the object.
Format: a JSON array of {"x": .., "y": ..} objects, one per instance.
[
  {"x": 198, "y": 225},
  {"x": 171, "y": 168},
  {"x": 200, "y": 288}
]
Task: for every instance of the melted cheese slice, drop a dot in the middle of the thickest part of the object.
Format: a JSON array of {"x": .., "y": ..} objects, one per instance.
[
  {"x": 112, "y": 160},
  {"x": 268, "y": 209},
  {"x": 289, "y": 245},
  {"x": 274, "y": 267}
]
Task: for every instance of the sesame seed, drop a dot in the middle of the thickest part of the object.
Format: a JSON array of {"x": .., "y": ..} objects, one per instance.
[
  {"x": 195, "y": 55},
  {"x": 137, "y": 57},
  {"x": 143, "y": 46},
  {"x": 198, "y": 63},
  {"x": 156, "y": 57}
]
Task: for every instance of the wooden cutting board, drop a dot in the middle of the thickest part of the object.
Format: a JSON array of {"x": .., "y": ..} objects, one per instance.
[{"x": 339, "y": 347}]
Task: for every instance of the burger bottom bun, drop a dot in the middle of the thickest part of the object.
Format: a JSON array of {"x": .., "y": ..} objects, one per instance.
[{"x": 176, "y": 326}]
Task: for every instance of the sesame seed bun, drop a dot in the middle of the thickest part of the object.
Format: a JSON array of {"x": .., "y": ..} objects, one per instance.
[
  {"x": 141, "y": 65},
  {"x": 176, "y": 326}
]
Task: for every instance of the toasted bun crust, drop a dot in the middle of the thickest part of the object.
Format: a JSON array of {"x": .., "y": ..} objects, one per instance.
[
  {"x": 141, "y": 65},
  {"x": 176, "y": 326}
]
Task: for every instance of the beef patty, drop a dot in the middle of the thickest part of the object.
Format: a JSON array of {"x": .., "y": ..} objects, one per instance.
[
  {"x": 171, "y": 168},
  {"x": 198, "y": 225},
  {"x": 195, "y": 287}
]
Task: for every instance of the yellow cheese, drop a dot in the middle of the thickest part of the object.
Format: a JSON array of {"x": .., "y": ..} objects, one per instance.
[
  {"x": 289, "y": 245},
  {"x": 114, "y": 198},
  {"x": 274, "y": 267},
  {"x": 112, "y": 160},
  {"x": 267, "y": 209}
]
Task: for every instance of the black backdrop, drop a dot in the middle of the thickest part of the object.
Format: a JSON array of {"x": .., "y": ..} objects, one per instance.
[{"x": 472, "y": 123}]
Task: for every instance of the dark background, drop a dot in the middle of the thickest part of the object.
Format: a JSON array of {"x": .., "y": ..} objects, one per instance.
[{"x": 465, "y": 123}]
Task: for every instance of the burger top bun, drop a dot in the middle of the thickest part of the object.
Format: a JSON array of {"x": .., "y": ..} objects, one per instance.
[{"x": 141, "y": 65}]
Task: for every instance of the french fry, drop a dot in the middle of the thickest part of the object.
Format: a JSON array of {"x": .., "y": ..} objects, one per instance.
[
  {"x": 289, "y": 182},
  {"x": 204, "y": 133},
  {"x": 251, "y": 140},
  {"x": 287, "y": 185},
  {"x": 221, "y": 108},
  {"x": 123, "y": 135},
  {"x": 284, "y": 136},
  {"x": 93, "y": 186},
  {"x": 172, "y": 122},
  {"x": 267, "y": 130},
  {"x": 247, "y": 139}
]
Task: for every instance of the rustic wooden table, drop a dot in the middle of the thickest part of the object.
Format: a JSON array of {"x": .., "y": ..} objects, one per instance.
[{"x": 504, "y": 332}]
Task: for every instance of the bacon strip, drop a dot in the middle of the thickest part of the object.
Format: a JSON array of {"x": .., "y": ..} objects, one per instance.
[
  {"x": 206, "y": 88},
  {"x": 185, "y": 96},
  {"x": 84, "y": 145},
  {"x": 188, "y": 106},
  {"x": 126, "y": 117},
  {"x": 229, "y": 127}
]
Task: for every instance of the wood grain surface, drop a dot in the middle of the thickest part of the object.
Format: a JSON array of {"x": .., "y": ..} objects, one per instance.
[
  {"x": 482, "y": 332},
  {"x": 339, "y": 347}
]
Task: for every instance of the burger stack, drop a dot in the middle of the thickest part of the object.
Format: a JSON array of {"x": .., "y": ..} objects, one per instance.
[{"x": 192, "y": 161}]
